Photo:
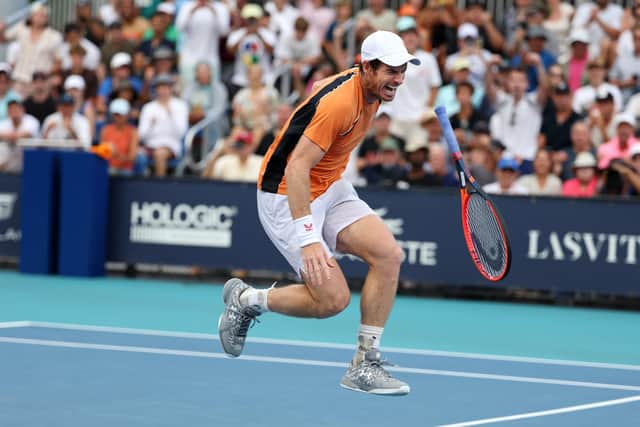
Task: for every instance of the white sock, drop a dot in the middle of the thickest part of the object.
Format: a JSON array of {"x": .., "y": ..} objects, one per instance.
[
  {"x": 256, "y": 298},
  {"x": 368, "y": 339}
]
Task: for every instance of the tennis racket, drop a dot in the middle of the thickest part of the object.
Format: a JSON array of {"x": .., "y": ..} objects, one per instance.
[{"x": 484, "y": 231}]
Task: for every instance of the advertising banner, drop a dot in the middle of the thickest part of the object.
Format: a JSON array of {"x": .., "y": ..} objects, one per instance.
[{"x": 9, "y": 215}]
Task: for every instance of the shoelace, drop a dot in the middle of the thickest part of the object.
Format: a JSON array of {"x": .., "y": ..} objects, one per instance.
[{"x": 247, "y": 322}]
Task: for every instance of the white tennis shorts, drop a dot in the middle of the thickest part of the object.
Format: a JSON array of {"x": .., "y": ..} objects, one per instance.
[{"x": 333, "y": 211}]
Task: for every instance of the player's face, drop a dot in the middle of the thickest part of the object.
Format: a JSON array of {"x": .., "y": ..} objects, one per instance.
[{"x": 385, "y": 81}]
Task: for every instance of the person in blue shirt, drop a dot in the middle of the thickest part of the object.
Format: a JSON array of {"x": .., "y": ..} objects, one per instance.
[
  {"x": 536, "y": 39},
  {"x": 120, "y": 71}
]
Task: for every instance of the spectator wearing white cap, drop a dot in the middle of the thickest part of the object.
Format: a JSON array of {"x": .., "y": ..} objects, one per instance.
[
  {"x": 15, "y": 126},
  {"x": 421, "y": 83},
  {"x": 67, "y": 124},
  {"x": 77, "y": 54},
  {"x": 120, "y": 71},
  {"x": 601, "y": 122},
  {"x": 201, "y": 24},
  {"x": 469, "y": 47},
  {"x": 163, "y": 123},
  {"x": 38, "y": 43},
  {"x": 74, "y": 85},
  {"x": 603, "y": 21},
  {"x": 620, "y": 146},
  {"x": 625, "y": 72},
  {"x": 585, "y": 183},
  {"x": 6, "y": 93},
  {"x": 122, "y": 136},
  {"x": 578, "y": 58},
  {"x": 252, "y": 44}
]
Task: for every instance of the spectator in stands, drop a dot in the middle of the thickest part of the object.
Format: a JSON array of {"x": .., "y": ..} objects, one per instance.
[
  {"x": 418, "y": 92},
  {"x": 67, "y": 124},
  {"x": 578, "y": 61},
  {"x": 115, "y": 42},
  {"x": 238, "y": 163},
  {"x": 478, "y": 15},
  {"x": 6, "y": 93},
  {"x": 555, "y": 132},
  {"x": 16, "y": 126},
  {"x": 120, "y": 71},
  {"x": 557, "y": 23},
  {"x": 163, "y": 64},
  {"x": 40, "y": 104},
  {"x": 200, "y": 93},
  {"x": 38, "y": 46},
  {"x": 417, "y": 153},
  {"x": 389, "y": 170},
  {"x": 301, "y": 52},
  {"x": 507, "y": 179},
  {"x": 626, "y": 70},
  {"x": 163, "y": 124},
  {"x": 165, "y": 12},
  {"x": 254, "y": 106},
  {"x": 109, "y": 12},
  {"x": 555, "y": 76},
  {"x": 629, "y": 172},
  {"x": 339, "y": 42},
  {"x": 283, "y": 112},
  {"x": 318, "y": 15},
  {"x": 584, "y": 97},
  {"x": 542, "y": 182},
  {"x": 438, "y": 167},
  {"x": 380, "y": 130},
  {"x": 630, "y": 20},
  {"x": 126, "y": 91},
  {"x": 73, "y": 38},
  {"x": 620, "y": 146},
  {"x": 466, "y": 118},
  {"x": 74, "y": 85},
  {"x": 469, "y": 47},
  {"x": 603, "y": 21},
  {"x": 480, "y": 160},
  {"x": 76, "y": 66},
  {"x": 123, "y": 138},
  {"x": 600, "y": 119},
  {"x": 518, "y": 117},
  {"x": 461, "y": 70},
  {"x": 201, "y": 24},
  {"x": 133, "y": 25},
  {"x": 251, "y": 45},
  {"x": 585, "y": 183},
  {"x": 580, "y": 142},
  {"x": 282, "y": 17},
  {"x": 536, "y": 39},
  {"x": 156, "y": 39},
  {"x": 378, "y": 16}
]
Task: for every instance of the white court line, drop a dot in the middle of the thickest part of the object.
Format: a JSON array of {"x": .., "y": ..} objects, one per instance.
[
  {"x": 292, "y": 361},
  {"x": 326, "y": 345},
  {"x": 545, "y": 413},
  {"x": 16, "y": 324}
]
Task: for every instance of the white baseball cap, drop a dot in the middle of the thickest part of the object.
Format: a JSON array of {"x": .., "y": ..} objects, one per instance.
[
  {"x": 166, "y": 7},
  {"x": 74, "y": 81},
  {"x": 388, "y": 48},
  {"x": 119, "y": 106},
  {"x": 120, "y": 59},
  {"x": 468, "y": 30}
]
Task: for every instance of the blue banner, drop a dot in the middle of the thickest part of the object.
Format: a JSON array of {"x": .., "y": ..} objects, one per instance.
[
  {"x": 558, "y": 244},
  {"x": 9, "y": 215}
]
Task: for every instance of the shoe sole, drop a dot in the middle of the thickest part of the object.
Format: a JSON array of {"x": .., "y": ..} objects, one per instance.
[
  {"x": 229, "y": 355},
  {"x": 380, "y": 391}
]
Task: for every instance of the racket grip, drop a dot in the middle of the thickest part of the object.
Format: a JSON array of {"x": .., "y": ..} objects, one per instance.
[{"x": 447, "y": 130}]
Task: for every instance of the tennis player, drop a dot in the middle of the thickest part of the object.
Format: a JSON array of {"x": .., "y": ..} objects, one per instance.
[{"x": 309, "y": 212}]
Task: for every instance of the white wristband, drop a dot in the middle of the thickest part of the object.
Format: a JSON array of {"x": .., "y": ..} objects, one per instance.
[{"x": 306, "y": 231}]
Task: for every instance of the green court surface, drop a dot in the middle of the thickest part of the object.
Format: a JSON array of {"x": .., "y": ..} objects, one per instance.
[{"x": 578, "y": 334}]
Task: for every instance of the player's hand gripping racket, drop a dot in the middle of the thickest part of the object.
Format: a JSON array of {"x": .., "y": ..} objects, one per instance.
[{"x": 482, "y": 224}]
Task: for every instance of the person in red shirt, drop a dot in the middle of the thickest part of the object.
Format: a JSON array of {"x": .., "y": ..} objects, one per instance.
[
  {"x": 585, "y": 183},
  {"x": 123, "y": 138}
]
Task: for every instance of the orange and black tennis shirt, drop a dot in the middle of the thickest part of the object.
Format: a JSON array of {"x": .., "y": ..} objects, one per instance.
[{"x": 335, "y": 117}]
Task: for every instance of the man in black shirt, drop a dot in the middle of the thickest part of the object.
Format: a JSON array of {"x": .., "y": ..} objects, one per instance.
[
  {"x": 555, "y": 132},
  {"x": 40, "y": 103}
]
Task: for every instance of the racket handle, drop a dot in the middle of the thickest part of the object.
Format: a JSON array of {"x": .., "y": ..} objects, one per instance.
[{"x": 447, "y": 130}]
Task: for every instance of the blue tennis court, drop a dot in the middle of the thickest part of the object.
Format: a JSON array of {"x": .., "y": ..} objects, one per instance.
[{"x": 119, "y": 352}]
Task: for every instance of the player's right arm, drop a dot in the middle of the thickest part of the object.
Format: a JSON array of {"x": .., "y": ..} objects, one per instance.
[{"x": 297, "y": 174}]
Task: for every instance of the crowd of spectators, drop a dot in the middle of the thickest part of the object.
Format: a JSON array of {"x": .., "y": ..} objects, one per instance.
[{"x": 544, "y": 102}]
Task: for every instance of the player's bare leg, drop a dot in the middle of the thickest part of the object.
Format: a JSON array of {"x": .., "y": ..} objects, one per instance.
[{"x": 369, "y": 239}]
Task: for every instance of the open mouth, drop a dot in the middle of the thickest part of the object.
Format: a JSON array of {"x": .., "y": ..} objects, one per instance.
[{"x": 389, "y": 91}]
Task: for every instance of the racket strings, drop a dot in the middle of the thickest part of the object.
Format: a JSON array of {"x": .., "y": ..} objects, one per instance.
[{"x": 486, "y": 236}]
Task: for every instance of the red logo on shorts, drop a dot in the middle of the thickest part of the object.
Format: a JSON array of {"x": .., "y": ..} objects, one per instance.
[{"x": 308, "y": 227}]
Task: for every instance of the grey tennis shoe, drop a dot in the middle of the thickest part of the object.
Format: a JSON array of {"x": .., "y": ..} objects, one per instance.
[
  {"x": 236, "y": 320},
  {"x": 370, "y": 377}
]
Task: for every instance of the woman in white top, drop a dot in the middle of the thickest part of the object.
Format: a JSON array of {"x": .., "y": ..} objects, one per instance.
[
  {"x": 542, "y": 181},
  {"x": 39, "y": 45},
  {"x": 558, "y": 25}
]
